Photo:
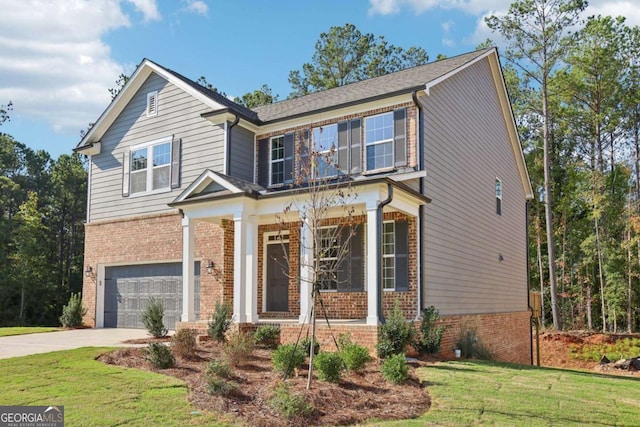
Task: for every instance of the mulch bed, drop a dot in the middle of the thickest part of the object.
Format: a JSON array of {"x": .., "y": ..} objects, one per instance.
[{"x": 358, "y": 397}]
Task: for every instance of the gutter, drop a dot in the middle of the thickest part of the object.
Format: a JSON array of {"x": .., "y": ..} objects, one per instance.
[
  {"x": 379, "y": 220},
  {"x": 229, "y": 126},
  {"x": 526, "y": 238},
  {"x": 420, "y": 136}
]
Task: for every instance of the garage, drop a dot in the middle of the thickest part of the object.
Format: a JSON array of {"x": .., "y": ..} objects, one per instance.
[{"x": 129, "y": 288}]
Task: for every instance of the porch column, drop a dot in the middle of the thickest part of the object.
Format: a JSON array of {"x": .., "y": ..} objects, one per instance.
[
  {"x": 240, "y": 231},
  {"x": 251, "y": 268},
  {"x": 373, "y": 287},
  {"x": 306, "y": 274},
  {"x": 188, "y": 255}
]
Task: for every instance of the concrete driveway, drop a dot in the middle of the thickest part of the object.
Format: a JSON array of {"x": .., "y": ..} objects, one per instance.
[{"x": 23, "y": 345}]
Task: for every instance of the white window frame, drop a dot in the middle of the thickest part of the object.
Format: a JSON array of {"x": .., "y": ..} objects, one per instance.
[
  {"x": 386, "y": 256},
  {"x": 321, "y": 151},
  {"x": 280, "y": 160},
  {"x": 152, "y": 103},
  {"x": 368, "y": 144},
  {"x": 499, "y": 194},
  {"x": 331, "y": 260},
  {"x": 150, "y": 146}
]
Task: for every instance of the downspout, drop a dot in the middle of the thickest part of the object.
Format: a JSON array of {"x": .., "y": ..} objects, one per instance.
[
  {"x": 526, "y": 239},
  {"x": 229, "y": 127},
  {"x": 420, "y": 145},
  {"x": 380, "y": 218}
]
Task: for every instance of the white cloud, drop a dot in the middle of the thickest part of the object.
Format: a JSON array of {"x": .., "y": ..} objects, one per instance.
[
  {"x": 55, "y": 66},
  {"x": 446, "y": 26},
  {"x": 197, "y": 6}
]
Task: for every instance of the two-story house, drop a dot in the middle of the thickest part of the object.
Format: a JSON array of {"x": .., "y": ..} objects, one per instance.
[{"x": 187, "y": 190}]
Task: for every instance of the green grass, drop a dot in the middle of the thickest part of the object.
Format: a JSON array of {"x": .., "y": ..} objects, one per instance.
[
  {"x": 621, "y": 349},
  {"x": 485, "y": 393},
  {"x": 96, "y": 394},
  {"x": 7, "y": 332}
]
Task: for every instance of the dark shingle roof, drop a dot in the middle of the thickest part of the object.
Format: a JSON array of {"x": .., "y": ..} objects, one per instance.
[{"x": 388, "y": 85}]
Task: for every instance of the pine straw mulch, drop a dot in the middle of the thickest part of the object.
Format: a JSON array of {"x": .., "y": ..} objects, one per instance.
[{"x": 358, "y": 397}]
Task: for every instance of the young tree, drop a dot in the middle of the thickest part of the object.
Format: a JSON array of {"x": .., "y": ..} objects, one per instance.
[{"x": 536, "y": 32}]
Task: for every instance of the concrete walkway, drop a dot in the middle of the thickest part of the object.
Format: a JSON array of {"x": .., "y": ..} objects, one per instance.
[{"x": 23, "y": 345}]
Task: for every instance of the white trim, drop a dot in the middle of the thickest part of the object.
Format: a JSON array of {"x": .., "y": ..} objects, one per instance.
[
  {"x": 367, "y": 144},
  {"x": 434, "y": 82},
  {"x": 89, "y": 173},
  {"x": 226, "y": 144},
  {"x": 271, "y": 161},
  {"x": 150, "y": 146},
  {"x": 201, "y": 182},
  {"x": 265, "y": 243},
  {"x": 392, "y": 256}
]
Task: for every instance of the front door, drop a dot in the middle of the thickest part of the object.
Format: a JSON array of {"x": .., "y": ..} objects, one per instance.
[{"x": 277, "y": 281}]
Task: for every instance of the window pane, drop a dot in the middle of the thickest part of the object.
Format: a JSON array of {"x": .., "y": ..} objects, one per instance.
[
  {"x": 162, "y": 154},
  {"x": 139, "y": 181},
  {"x": 277, "y": 172},
  {"x": 379, "y": 156},
  {"x": 277, "y": 148},
  {"x": 388, "y": 272},
  {"x": 161, "y": 177},
  {"x": 139, "y": 159}
]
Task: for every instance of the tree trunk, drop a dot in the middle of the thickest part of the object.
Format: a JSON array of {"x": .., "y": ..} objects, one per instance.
[
  {"x": 589, "y": 314},
  {"x": 313, "y": 335},
  {"x": 541, "y": 270},
  {"x": 601, "y": 276}
]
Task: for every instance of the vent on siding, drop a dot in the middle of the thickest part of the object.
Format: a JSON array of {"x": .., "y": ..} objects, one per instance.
[{"x": 152, "y": 104}]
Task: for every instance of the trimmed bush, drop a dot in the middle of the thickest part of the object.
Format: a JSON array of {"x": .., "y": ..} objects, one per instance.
[
  {"x": 72, "y": 312},
  {"x": 355, "y": 357},
  {"x": 287, "y": 357},
  {"x": 305, "y": 343},
  {"x": 160, "y": 356},
  {"x": 395, "y": 369},
  {"x": 152, "y": 318},
  {"x": 218, "y": 367},
  {"x": 267, "y": 336},
  {"x": 220, "y": 322},
  {"x": 220, "y": 386},
  {"x": 329, "y": 366},
  {"x": 395, "y": 335},
  {"x": 238, "y": 348},
  {"x": 287, "y": 404},
  {"x": 430, "y": 338},
  {"x": 184, "y": 343}
]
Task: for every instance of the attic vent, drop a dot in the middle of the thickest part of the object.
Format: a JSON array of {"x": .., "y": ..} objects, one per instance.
[{"x": 152, "y": 104}]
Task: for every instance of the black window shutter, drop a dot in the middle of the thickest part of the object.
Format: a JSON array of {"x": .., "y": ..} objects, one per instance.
[
  {"x": 343, "y": 148},
  {"x": 400, "y": 137},
  {"x": 356, "y": 157},
  {"x": 402, "y": 255},
  {"x": 302, "y": 168},
  {"x": 288, "y": 157},
  {"x": 125, "y": 174},
  {"x": 176, "y": 150},
  {"x": 263, "y": 162},
  {"x": 350, "y": 277}
]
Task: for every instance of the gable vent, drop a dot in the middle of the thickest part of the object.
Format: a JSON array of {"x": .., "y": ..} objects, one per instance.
[{"x": 152, "y": 104}]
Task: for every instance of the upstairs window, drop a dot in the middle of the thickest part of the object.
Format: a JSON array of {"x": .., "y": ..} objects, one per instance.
[
  {"x": 277, "y": 160},
  {"x": 152, "y": 104},
  {"x": 325, "y": 142},
  {"x": 498, "y": 196},
  {"x": 151, "y": 167},
  {"x": 379, "y": 141}
]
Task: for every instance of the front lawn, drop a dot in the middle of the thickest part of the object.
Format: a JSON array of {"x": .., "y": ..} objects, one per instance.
[
  {"x": 96, "y": 394},
  {"x": 7, "y": 332}
]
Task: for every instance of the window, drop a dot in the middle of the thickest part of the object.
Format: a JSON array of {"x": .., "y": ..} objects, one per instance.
[
  {"x": 379, "y": 141},
  {"x": 151, "y": 167},
  {"x": 498, "y": 196},
  {"x": 388, "y": 255},
  {"x": 277, "y": 160},
  {"x": 325, "y": 141},
  {"x": 152, "y": 104},
  {"x": 395, "y": 255},
  {"x": 329, "y": 250},
  {"x": 341, "y": 266}
]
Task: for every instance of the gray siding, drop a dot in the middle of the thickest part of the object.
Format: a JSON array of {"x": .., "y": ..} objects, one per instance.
[
  {"x": 466, "y": 148},
  {"x": 241, "y": 153},
  {"x": 179, "y": 115}
]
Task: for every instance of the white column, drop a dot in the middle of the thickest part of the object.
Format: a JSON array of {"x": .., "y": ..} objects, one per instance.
[
  {"x": 373, "y": 287},
  {"x": 188, "y": 255},
  {"x": 251, "y": 268},
  {"x": 239, "y": 268},
  {"x": 306, "y": 273}
]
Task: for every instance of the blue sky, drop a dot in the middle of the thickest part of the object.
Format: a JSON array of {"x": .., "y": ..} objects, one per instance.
[{"x": 59, "y": 58}]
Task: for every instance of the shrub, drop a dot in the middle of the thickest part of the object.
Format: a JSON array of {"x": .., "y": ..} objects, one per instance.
[
  {"x": 329, "y": 366},
  {"x": 287, "y": 404},
  {"x": 395, "y": 334},
  {"x": 305, "y": 343},
  {"x": 355, "y": 356},
  {"x": 72, "y": 312},
  {"x": 238, "y": 348},
  {"x": 152, "y": 318},
  {"x": 184, "y": 343},
  {"x": 395, "y": 369},
  {"x": 267, "y": 336},
  {"x": 220, "y": 322},
  {"x": 219, "y": 386},
  {"x": 219, "y": 368},
  {"x": 287, "y": 357},
  {"x": 160, "y": 356},
  {"x": 430, "y": 338},
  {"x": 470, "y": 345}
]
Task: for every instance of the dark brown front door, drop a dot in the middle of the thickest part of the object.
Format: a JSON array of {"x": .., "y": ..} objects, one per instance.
[{"x": 277, "y": 285}]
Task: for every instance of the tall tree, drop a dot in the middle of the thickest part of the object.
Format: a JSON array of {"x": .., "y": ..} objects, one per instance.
[
  {"x": 536, "y": 33},
  {"x": 344, "y": 55},
  {"x": 258, "y": 97},
  {"x": 4, "y": 112}
]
